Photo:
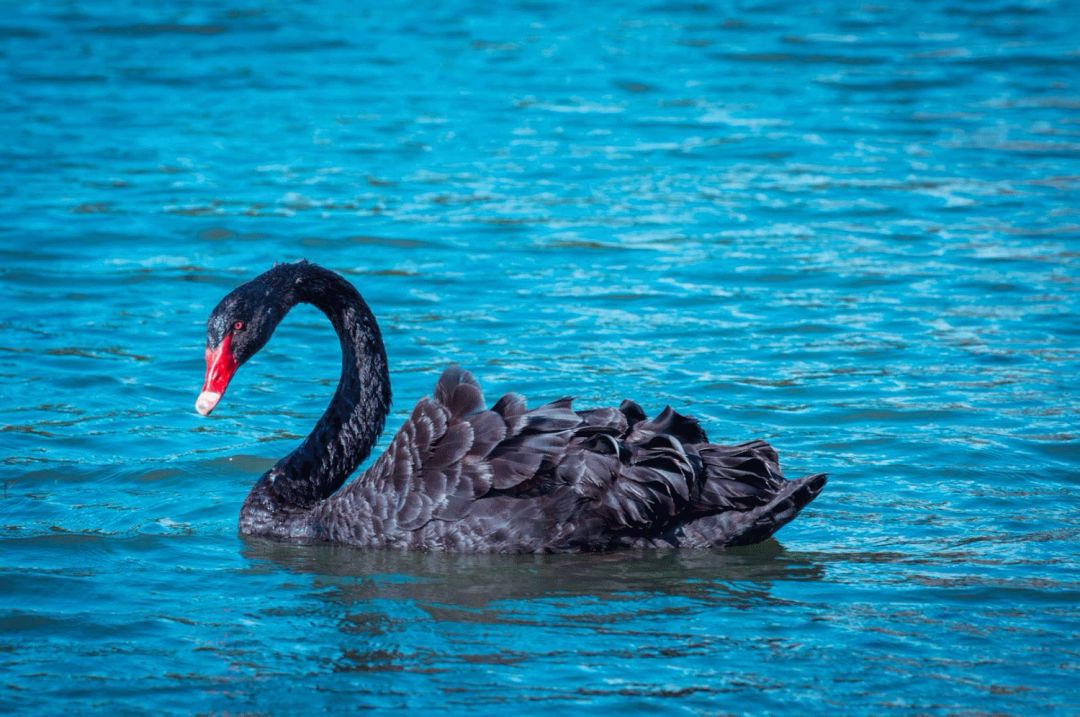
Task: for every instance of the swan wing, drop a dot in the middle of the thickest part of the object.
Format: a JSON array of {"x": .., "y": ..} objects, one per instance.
[
  {"x": 553, "y": 478},
  {"x": 433, "y": 468}
]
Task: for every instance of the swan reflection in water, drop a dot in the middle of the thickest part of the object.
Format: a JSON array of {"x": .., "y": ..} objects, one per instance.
[
  {"x": 421, "y": 612},
  {"x": 738, "y": 577}
]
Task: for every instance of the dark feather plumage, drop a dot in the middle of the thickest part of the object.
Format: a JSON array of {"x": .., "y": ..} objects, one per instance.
[
  {"x": 552, "y": 479},
  {"x": 459, "y": 476}
]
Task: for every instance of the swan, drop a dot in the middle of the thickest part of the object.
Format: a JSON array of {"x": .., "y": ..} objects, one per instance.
[{"x": 459, "y": 476}]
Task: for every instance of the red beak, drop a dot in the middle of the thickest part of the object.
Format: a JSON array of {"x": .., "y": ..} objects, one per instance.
[{"x": 220, "y": 367}]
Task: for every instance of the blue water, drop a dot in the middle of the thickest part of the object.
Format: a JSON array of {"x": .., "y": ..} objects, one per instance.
[{"x": 851, "y": 229}]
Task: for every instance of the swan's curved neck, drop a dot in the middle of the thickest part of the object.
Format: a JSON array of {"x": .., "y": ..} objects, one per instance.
[{"x": 351, "y": 425}]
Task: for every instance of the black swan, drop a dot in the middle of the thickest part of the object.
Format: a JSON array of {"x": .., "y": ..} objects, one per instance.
[{"x": 459, "y": 476}]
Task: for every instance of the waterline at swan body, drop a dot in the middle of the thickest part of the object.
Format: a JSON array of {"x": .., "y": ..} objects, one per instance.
[{"x": 461, "y": 476}]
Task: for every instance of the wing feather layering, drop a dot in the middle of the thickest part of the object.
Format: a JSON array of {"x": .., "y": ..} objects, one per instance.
[{"x": 461, "y": 476}]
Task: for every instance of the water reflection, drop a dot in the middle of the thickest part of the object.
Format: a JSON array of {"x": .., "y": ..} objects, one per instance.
[
  {"x": 739, "y": 576},
  {"x": 432, "y": 612}
]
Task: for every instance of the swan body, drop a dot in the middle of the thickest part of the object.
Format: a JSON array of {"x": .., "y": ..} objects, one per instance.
[{"x": 461, "y": 476}]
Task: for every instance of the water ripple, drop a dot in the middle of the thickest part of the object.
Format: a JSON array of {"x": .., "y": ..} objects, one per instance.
[{"x": 847, "y": 229}]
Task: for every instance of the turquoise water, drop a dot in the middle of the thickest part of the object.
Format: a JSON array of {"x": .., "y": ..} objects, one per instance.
[{"x": 850, "y": 229}]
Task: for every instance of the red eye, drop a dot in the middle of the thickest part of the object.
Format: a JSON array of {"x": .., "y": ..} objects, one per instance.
[{"x": 238, "y": 326}]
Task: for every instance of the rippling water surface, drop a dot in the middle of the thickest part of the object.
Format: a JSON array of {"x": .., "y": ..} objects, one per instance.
[{"x": 850, "y": 229}]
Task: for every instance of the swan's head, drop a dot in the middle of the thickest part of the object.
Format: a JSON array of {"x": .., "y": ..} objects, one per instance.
[{"x": 238, "y": 327}]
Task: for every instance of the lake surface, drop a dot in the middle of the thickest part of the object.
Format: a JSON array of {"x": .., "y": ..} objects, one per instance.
[{"x": 850, "y": 229}]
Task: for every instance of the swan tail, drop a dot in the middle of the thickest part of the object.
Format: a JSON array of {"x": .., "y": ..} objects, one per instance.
[
  {"x": 728, "y": 527},
  {"x": 658, "y": 483}
]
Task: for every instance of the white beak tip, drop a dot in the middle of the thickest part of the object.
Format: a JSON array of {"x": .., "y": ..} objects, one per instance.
[{"x": 206, "y": 402}]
